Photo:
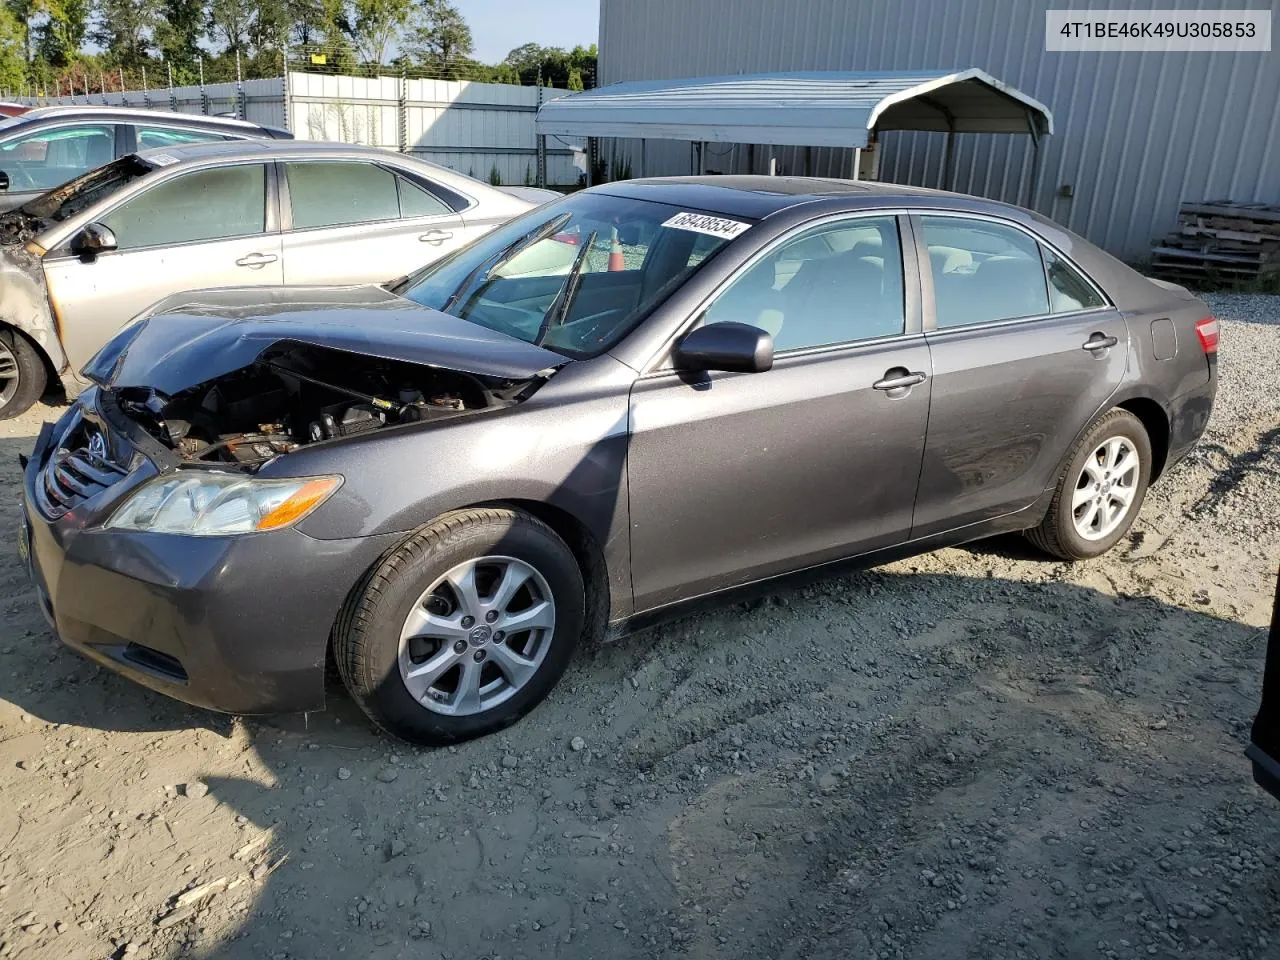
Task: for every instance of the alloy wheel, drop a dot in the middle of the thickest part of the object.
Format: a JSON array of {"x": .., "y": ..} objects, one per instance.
[
  {"x": 10, "y": 376},
  {"x": 477, "y": 635},
  {"x": 1106, "y": 488}
]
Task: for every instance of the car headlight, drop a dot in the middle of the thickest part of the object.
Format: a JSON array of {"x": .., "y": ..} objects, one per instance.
[{"x": 216, "y": 504}]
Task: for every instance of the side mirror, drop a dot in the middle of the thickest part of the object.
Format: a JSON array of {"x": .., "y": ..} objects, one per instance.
[
  {"x": 735, "y": 347},
  {"x": 4, "y": 180},
  {"x": 93, "y": 239}
]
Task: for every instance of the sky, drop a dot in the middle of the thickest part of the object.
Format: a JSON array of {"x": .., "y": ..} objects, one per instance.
[{"x": 498, "y": 26}]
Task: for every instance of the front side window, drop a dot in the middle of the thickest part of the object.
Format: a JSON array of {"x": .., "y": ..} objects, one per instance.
[
  {"x": 47, "y": 158},
  {"x": 332, "y": 194},
  {"x": 837, "y": 283},
  {"x": 149, "y": 137},
  {"x": 983, "y": 272},
  {"x": 576, "y": 275},
  {"x": 205, "y": 205}
]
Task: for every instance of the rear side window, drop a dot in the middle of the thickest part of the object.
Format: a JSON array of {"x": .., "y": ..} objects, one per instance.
[
  {"x": 149, "y": 137},
  {"x": 983, "y": 272},
  {"x": 332, "y": 194},
  {"x": 1068, "y": 290},
  {"x": 205, "y": 205},
  {"x": 417, "y": 202}
]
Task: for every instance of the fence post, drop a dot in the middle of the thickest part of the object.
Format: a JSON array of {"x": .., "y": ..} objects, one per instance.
[
  {"x": 173, "y": 98},
  {"x": 240, "y": 104},
  {"x": 146, "y": 98},
  {"x": 540, "y": 139},
  {"x": 402, "y": 110},
  {"x": 284, "y": 79},
  {"x": 204, "y": 96}
]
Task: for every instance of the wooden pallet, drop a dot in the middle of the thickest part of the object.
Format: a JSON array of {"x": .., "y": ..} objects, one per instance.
[{"x": 1220, "y": 239}]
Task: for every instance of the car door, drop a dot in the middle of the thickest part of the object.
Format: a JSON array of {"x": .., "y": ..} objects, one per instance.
[
  {"x": 206, "y": 228},
  {"x": 40, "y": 158},
  {"x": 352, "y": 221},
  {"x": 1024, "y": 357},
  {"x": 736, "y": 477}
]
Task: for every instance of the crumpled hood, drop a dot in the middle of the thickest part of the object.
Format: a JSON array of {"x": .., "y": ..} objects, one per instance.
[{"x": 194, "y": 337}]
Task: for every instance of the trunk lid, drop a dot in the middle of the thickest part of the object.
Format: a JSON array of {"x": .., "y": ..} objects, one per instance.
[{"x": 194, "y": 337}]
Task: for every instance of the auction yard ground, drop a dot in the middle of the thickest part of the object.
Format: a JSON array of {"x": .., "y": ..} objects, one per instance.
[{"x": 978, "y": 753}]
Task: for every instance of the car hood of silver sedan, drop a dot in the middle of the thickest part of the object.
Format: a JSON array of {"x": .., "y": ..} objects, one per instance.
[{"x": 194, "y": 337}]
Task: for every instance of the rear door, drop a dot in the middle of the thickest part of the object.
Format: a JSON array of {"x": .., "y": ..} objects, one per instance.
[
  {"x": 353, "y": 221},
  {"x": 206, "y": 228},
  {"x": 1026, "y": 352}
]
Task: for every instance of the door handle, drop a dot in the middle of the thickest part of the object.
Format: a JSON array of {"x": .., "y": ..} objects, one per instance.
[
  {"x": 898, "y": 379},
  {"x": 1097, "y": 343},
  {"x": 256, "y": 260},
  {"x": 436, "y": 237}
]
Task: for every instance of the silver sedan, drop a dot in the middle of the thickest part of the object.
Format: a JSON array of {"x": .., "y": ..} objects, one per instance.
[{"x": 80, "y": 261}]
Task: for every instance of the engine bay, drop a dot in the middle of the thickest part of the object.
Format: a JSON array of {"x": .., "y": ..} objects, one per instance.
[{"x": 296, "y": 395}]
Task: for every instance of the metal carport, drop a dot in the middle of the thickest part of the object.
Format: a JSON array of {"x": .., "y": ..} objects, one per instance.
[{"x": 817, "y": 109}]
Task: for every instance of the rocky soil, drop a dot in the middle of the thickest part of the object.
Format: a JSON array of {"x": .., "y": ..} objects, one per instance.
[{"x": 979, "y": 753}]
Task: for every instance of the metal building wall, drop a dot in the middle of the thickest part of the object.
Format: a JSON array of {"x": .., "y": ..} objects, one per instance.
[{"x": 1135, "y": 133}]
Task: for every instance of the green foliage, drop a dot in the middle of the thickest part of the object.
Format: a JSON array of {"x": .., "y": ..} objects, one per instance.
[
  {"x": 82, "y": 45},
  {"x": 528, "y": 175},
  {"x": 495, "y": 178}
]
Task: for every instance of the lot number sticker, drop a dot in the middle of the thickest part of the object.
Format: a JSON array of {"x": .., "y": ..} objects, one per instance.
[
  {"x": 713, "y": 226},
  {"x": 162, "y": 159}
]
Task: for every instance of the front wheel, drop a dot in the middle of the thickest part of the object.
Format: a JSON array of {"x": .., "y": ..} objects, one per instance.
[
  {"x": 1101, "y": 490},
  {"x": 22, "y": 374},
  {"x": 464, "y": 628}
]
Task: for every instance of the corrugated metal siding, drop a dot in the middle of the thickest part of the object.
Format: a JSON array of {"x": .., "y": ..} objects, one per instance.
[{"x": 1136, "y": 133}]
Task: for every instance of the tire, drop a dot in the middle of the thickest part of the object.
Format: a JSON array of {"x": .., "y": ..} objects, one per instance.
[
  {"x": 491, "y": 679},
  {"x": 22, "y": 374},
  {"x": 1075, "y": 533}
]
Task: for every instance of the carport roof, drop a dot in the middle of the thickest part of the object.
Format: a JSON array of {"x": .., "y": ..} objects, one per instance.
[{"x": 821, "y": 109}]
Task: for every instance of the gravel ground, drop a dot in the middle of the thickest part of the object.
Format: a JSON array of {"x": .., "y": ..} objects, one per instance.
[{"x": 977, "y": 753}]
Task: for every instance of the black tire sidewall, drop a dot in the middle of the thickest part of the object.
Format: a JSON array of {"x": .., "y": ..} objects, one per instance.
[
  {"x": 401, "y": 581},
  {"x": 1117, "y": 423},
  {"x": 32, "y": 376}
]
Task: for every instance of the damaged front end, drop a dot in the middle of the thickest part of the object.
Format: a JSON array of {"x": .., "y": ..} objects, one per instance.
[
  {"x": 243, "y": 376},
  {"x": 295, "y": 394}
]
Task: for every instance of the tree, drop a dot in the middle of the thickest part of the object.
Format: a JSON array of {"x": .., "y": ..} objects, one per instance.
[
  {"x": 555, "y": 64},
  {"x": 178, "y": 32},
  {"x": 374, "y": 25},
  {"x": 13, "y": 50},
  {"x": 438, "y": 37},
  {"x": 57, "y": 39},
  {"x": 124, "y": 29}
]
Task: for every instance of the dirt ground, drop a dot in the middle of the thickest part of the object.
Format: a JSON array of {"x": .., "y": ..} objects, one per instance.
[{"x": 979, "y": 753}]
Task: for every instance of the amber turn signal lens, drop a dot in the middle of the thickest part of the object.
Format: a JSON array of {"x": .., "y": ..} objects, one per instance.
[{"x": 309, "y": 496}]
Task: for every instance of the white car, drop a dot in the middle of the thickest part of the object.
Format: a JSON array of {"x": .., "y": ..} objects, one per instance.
[{"x": 80, "y": 261}]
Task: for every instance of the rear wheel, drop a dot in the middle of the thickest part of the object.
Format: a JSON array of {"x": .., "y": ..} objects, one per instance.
[
  {"x": 464, "y": 628},
  {"x": 22, "y": 374},
  {"x": 1101, "y": 490}
]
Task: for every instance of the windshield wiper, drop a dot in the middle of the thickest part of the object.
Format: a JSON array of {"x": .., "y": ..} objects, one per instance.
[
  {"x": 559, "y": 308},
  {"x": 521, "y": 243}
]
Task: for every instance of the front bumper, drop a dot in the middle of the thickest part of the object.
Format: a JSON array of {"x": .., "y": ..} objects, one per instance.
[
  {"x": 1264, "y": 748},
  {"x": 238, "y": 624}
]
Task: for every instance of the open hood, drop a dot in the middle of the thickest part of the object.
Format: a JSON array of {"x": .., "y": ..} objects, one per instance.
[{"x": 194, "y": 337}]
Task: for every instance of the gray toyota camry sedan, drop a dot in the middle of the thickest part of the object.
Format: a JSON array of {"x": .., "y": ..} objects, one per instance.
[{"x": 643, "y": 395}]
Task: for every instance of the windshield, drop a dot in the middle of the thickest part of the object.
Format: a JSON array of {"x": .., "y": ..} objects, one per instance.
[
  {"x": 574, "y": 276},
  {"x": 84, "y": 191}
]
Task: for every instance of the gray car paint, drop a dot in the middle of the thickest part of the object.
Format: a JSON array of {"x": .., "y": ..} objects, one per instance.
[{"x": 683, "y": 485}]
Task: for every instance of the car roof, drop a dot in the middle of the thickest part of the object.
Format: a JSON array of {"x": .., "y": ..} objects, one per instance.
[
  {"x": 233, "y": 149},
  {"x": 138, "y": 113},
  {"x": 756, "y": 197}
]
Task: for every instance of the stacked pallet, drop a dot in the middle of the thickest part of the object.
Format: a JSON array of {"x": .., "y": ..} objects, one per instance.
[{"x": 1220, "y": 242}]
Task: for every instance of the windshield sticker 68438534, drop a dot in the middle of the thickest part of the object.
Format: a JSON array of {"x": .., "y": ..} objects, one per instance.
[{"x": 704, "y": 223}]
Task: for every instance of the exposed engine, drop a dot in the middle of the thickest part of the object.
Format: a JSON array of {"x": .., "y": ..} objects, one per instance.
[{"x": 297, "y": 395}]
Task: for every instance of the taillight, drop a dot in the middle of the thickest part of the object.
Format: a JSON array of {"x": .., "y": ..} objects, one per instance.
[{"x": 1207, "y": 331}]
